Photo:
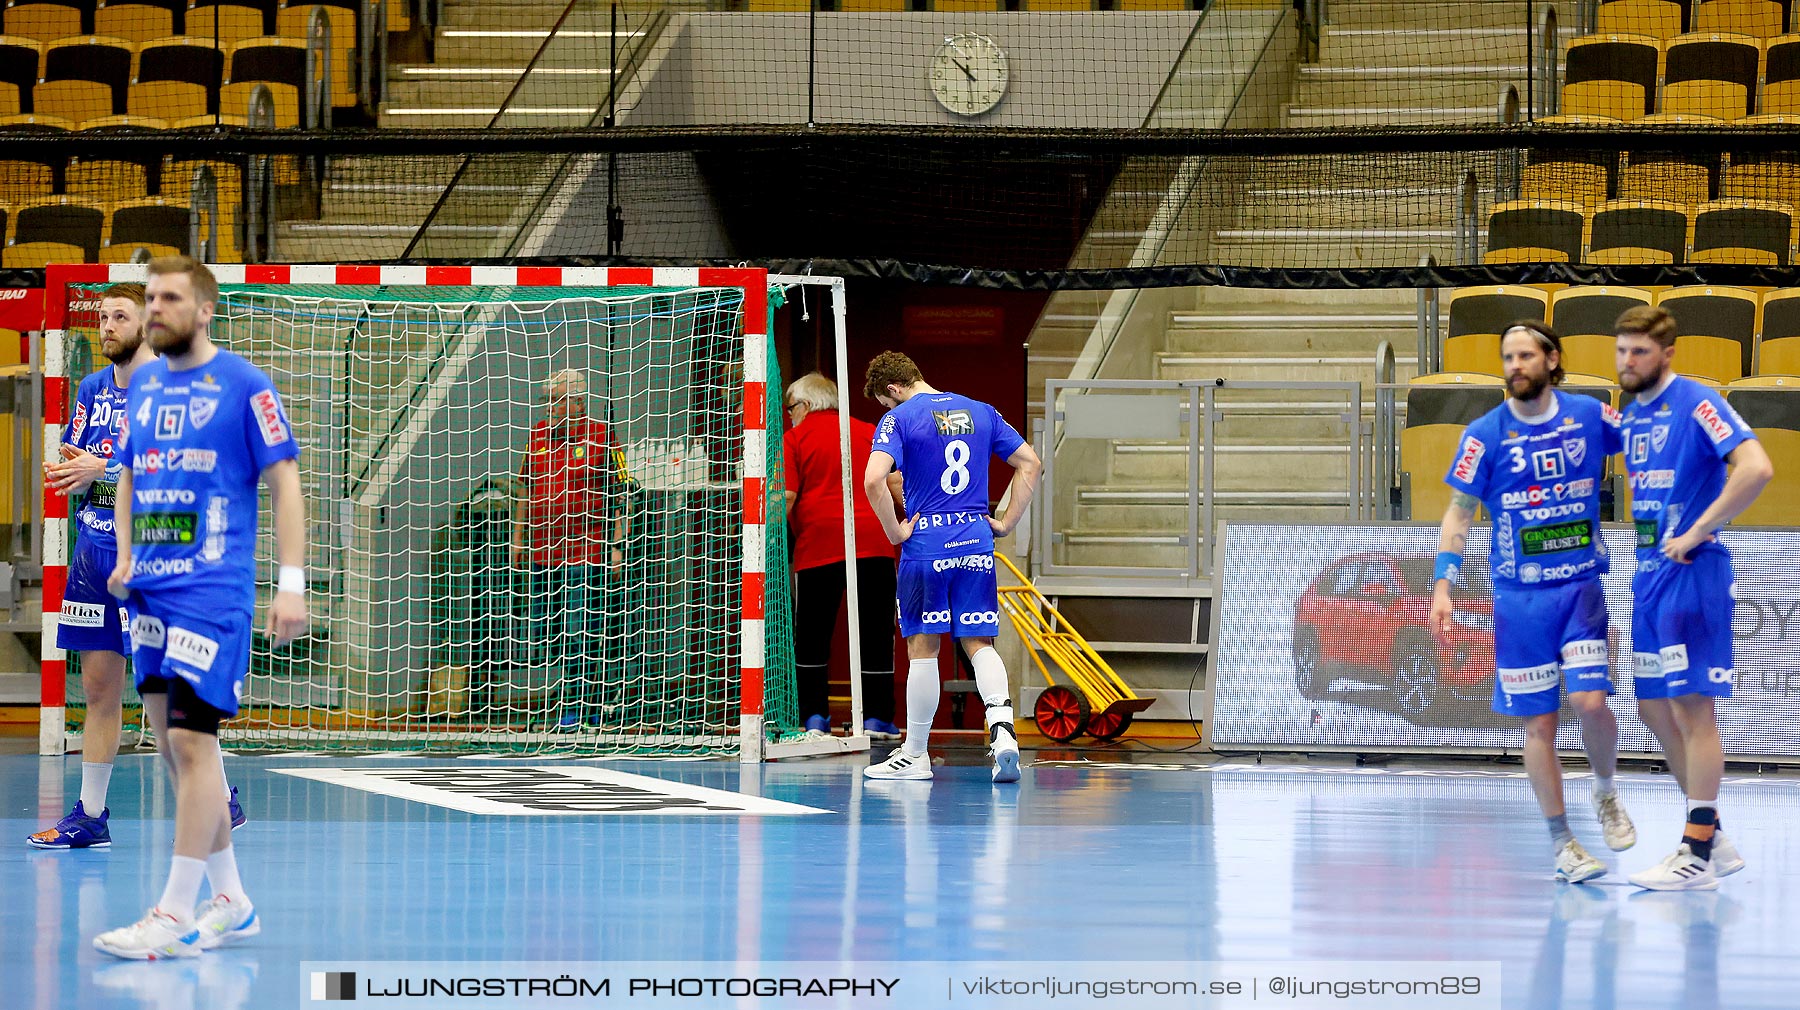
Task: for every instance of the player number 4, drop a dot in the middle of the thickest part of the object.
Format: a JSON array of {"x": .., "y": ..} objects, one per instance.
[{"x": 956, "y": 467}]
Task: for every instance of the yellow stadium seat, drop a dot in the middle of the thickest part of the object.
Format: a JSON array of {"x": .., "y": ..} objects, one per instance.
[
  {"x": 1611, "y": 75},
  {"x": 1438, "y": 407},
  {"x": 1539, "y": 228},
  {"x": 1639, "y": 231},
  {"x": 1582, "y": 182},
  {"x": 1756, "y": 18},
  {"x": 1772, "y": 410},
  {"x": 225, "y": 23},
  {"x": 1721, "y": 100},
  {"x": 43, "y": 22},
  {"x": 1715, "y": 330},
  {"x": 41, "y": 121},
  {"x": 235, "y": 98},
  {"x": 1711, "y": 74},
  {"x": 966, "y": 5},
  {"x": 24, "y": 180},
  {"x": 127, "y": 252},
  {"x": 170, "y": 100},
  {"x": 40, "y": 254},
  {"x": 137, "y": 22},
  {"x": 1657, "y": 18},
  {"x": 1585, "y": 316},
  {"x": 1666, "y": 179},
  {"x": 1778, "y": 352},
  {"x": 72, "y": 100},
  {"x": 105, "y": 180},
  {"x": 1478, "y": 316},
  {"x": 141, "y": 122},
  {"x": 1744, "y": 231}
]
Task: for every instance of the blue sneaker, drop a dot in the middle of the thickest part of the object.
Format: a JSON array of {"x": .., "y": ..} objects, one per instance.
[
  {"x": 237, "y": 811},
  {"x": 76, "y": 831},
  {"x": 818, "y": 724},
  {"x": 878, "y": 730}
]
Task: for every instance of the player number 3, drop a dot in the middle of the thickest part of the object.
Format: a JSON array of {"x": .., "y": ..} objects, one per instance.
[{"x": 956, "y": 467}]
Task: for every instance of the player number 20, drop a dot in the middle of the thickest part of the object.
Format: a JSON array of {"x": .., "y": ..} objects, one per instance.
[{"x": 956, "y": 467}]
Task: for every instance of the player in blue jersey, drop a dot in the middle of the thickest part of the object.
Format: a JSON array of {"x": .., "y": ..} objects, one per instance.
[
  {"x": 1679, "y": 438},
  {"x": 1537, "y": 462},
  {"x": 87, "y": 473},
  {"x": 940, "y": 443},
  {"x": 202, "y": 428}
]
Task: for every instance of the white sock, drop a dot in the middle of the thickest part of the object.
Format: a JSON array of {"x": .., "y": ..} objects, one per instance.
[
  {"x": 95, "y": 777},
  {"x": 1693, "y": 804},
  {"x": 922, "y": 690},
  {"x": 1603, "y": 785},
  {"x": 990, "y": 677},
  {"x": 182, "y": 892},
  {"x": 221, "y": 869}
]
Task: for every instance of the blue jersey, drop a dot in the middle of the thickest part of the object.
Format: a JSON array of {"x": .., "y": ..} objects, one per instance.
[
  {"x": 1541, "y": 483},
  {"x": 940, "y": 443},
  {"x": 94, "y": 425},
  {"x": 1675, "y": 451},
  {"x": 198, "y": 441}
]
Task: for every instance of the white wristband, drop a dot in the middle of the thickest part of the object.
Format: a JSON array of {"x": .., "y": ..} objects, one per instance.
[{"x": 291, "y": 579}]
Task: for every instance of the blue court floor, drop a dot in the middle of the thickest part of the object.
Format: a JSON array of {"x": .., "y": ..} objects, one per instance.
[{"x": 1082, "y": 861}]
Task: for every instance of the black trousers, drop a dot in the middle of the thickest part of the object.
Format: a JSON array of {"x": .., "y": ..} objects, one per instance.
[{"x": 819, "y": 596}]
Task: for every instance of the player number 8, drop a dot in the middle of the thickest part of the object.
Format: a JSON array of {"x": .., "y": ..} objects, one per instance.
[{"x": 956, "y": 467}]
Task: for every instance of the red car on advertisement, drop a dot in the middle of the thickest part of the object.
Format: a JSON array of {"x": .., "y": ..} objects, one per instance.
[{"x": 1367, "y": 617}]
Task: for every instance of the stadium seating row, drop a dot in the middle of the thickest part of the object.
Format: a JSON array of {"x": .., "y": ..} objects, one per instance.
[
  {"x": 67, "y": 230},
  {"x": 1642, "y": 231},
  {"x": 84, "y": 212},
  {"x": 1722, "y": 75},
  {"x": 142, "y": 20},
  {"x": 1726, "y": 333},
  {"x": 1592, "y": 177},
  {"x": 92, "y": 76},
  {"x": 1440, "y": 406},
  {"x": 1665, "y": 19}
]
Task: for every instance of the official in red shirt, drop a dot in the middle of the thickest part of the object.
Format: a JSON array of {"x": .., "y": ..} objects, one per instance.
[
  {"x": 569, "y": 533},
  {"x": 813, "y": 481}
]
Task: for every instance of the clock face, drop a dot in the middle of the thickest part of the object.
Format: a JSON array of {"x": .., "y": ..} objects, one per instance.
[{"x": 968, "y": 74}]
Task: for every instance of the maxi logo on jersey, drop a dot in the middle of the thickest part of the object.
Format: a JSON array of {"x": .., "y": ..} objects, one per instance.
[{"x": 1469, "y": 459}]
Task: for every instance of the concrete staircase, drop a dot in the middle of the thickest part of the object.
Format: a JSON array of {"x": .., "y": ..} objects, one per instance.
[
  {"x": 1382, "y": 63},
  {"x": 371, "y": 208}
]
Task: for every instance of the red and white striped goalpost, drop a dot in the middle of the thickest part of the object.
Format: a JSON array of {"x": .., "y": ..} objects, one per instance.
[{"x": 52, "y": 737}]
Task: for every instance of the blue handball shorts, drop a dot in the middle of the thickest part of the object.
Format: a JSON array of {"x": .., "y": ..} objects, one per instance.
[
  {"x": 1545, "y": 630},
  {"x": 1681, "y": 628},
  {"x": 177, "y": 635},
  {"x": 955, "y": 595},
  {"x": 92, "y": 619}
]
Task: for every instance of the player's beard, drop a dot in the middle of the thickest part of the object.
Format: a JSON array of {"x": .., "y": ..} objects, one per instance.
[
  {"x": 123, "y": 350},
  {"x": 170, "y": 342},
  {"x": 1633, "y": 384},
  {"x": 1533, "y": 386}
]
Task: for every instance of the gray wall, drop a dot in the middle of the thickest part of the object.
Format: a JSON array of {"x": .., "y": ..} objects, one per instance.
[{"x": 1068, "y": 70}]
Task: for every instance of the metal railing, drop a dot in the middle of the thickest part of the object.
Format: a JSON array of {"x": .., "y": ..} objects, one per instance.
[{"x": 1184, "y": 415}]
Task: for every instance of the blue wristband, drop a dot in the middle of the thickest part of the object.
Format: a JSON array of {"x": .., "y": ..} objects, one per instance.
[{"x": 1449, "y": 566}]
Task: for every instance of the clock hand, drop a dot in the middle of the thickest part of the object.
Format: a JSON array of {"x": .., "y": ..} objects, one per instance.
[{"x": 964, "y": 68}]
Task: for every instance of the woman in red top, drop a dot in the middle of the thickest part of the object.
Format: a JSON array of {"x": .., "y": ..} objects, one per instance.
[{"x": 813, "y": 473}]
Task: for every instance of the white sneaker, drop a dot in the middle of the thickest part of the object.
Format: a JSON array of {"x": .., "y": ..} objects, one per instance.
[
  {"x": 1615, "y": 823},
  {"x": 1003, "y": 742},
  {"x": 1005, "y": 750},
  {"x": 156, "y": 936},
  {"x": 1682, "y": 871},
  {"x": 1726, "y": 860},
  {"x": 221, "y": 921},
  {"x": 901, "y": 765},
  {"x": 1574, "y": 865}
]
